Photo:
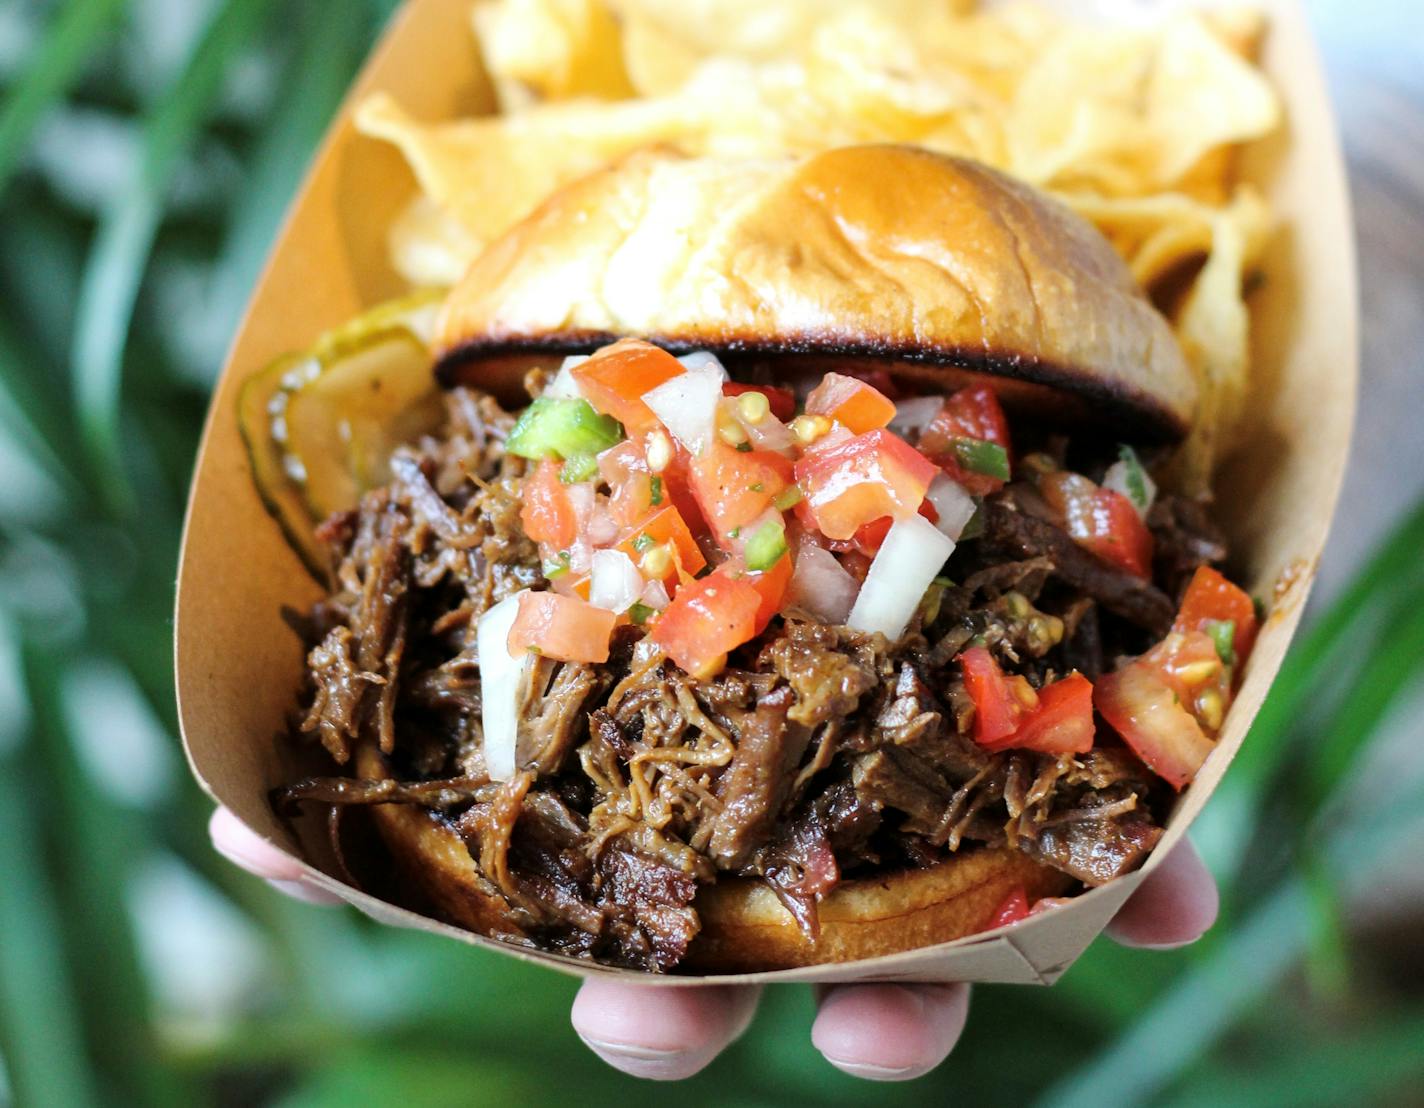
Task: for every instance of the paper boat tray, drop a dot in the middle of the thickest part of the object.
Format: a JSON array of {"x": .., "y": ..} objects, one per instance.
[{"x": 239, "y": 665}]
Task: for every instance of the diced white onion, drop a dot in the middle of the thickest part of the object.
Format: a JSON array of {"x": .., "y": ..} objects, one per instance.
[
  {"x": 838, "y": 434},
  {"x": 700, "y": 359},
  {"x": 563, "y": 386},
  {"x": 602, "y": 527},
  {"x": 914, "y": 414},
  {"x": 616, "y": 583},
  {"x": 768, "y": 433},
  {"x": 821, "y": 585},
  {"x": 501, "y": 674},
  {"x": 687, "y": 404},
  {"x": 582, "y": 498},
  {"x": 580, "y": 557},
  {"x": 912, "y": 555},
  {"x": 1116, "y": 479},
  {"x": 655, "y": 595},
  {"x": 954, "y": 505}
]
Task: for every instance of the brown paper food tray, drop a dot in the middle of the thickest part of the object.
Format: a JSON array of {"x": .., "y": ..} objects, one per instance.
[{"x": 239, "y": 665}]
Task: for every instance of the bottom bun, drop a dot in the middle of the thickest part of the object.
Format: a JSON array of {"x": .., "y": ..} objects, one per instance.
[
  {"x": 745, "y": 928},
  {"x": 433, "y": 862}
]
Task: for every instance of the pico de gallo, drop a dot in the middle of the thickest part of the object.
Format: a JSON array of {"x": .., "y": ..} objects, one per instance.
[
  {"x": 666, "y": 496},
  {"x": 680, "y": 626}
]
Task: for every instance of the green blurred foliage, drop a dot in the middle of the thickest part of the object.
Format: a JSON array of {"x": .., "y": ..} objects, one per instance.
[{"x": 147, "y": 151}]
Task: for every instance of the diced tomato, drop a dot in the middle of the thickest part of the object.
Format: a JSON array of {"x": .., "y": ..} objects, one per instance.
[
  {"x": 616, "y": 377},
  {"x": 637, "y": 492},
  {"x": 1000, "y": 702},
  {"x": 1061, "y": 724},
  {"x": 878, "y": 379},
  {"x": 771, "y": 585},
  {"x": 1211, "y": 598},
  {"x": 706, "y": 620},
  {"x": 547, "y": 513},
  {"x": 782, "y": 401},
  {"x": 665, "y": 526},
  {"x": 1117, "y": 534},
  {"x": 625, "y": 470},
  {"x": 1013, "y": 909},
  {"x": 976, "y": 484},
  {"x": 851, "y": 402},
  {"x": 972, "y": 413},
  {"x": 733, "y": 487},
  {"x": 1141, "y": 707},
  {"x": 1100, "y": 520},
  {"x": 677, "y": 486},
  {"x": 870, "y": 537},
  {"x": 580, "y": 586},
  {"x": 862, "y": 479},
  {"x": 1188, "y": 661},
  {"x": 855, "y": 563},
  {"x": 562, "y": 627}
]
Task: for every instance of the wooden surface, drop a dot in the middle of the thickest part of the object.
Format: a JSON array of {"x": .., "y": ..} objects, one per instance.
[{"x": 1374, "y": 54}]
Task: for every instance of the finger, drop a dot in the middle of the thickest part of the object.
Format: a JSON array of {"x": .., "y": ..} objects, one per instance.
[
  {"x": 244, "y": 848},
  {"x": 889, "y": 1032},
  {"x": 1175, "y": 904},
  {"x": 660, "y": 1033}
]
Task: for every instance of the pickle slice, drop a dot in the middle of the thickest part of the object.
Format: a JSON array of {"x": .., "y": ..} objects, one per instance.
[{"x": 320, "y": 426}]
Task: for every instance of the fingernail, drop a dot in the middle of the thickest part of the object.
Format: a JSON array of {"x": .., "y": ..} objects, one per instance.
[
  {"x": 300, "y": 890},
  {"x": 628, "y": 1050},
  {"x": 238, "y": 857},
  {"x": 1165, "y": 946},
  {"x": 874, "y": 1073}
]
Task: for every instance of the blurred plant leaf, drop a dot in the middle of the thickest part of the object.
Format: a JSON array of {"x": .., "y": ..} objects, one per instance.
[
  {"x": 29, "y": 414},
  {"x": 1381, "y": 1062},
  {"x": 1327, "y": 960},
  {"x": 1395, "y": 661},
  {"x": 41, "y": 249},
  {"x": 93, "y": 840},
  {"x": 67, "y": 46},
  {"x": 1350, "y": 634},
  {"x": 1245, "y": 962},
  {"x": 41, "y": 1034},
  {"x": 125, "y": 238},
  {"x": 332, "y": 42},
  {"x": 439, "y": 1079}
]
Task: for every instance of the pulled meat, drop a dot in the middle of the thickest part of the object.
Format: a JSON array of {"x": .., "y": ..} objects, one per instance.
[
  {"x": 818, "y": 754},
  {"x": 1017, "y": 534},
  {"x": 769, "y": 748}
]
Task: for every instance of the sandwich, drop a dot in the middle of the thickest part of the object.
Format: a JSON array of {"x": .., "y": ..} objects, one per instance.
[{"x": 783, "y": 579}]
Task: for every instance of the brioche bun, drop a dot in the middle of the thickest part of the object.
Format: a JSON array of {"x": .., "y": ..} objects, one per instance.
[
  {"x": 745, "y": 929},
  {"x": 938, "y": 268},
  {"x": 433, "y": 861}
]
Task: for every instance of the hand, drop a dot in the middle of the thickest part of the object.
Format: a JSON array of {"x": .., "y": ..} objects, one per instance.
[{"x": 879, "y": 1032}]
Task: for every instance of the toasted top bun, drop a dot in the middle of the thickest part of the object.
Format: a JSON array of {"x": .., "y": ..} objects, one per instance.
[
  {"x": 745, "y": 929},
  {"x": 936, "y": 265}
]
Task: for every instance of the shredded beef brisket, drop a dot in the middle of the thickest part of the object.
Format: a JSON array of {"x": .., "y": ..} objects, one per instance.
[
  {"x": 1017, "y": 534},
  {"x": 769, "y": 748},
  {"x": 817, "y": 755}
]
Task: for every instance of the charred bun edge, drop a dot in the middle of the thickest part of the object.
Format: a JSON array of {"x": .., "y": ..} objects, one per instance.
[
  {"x": 745, "y": 929},
  {"x": 1135, "y": 414}
]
